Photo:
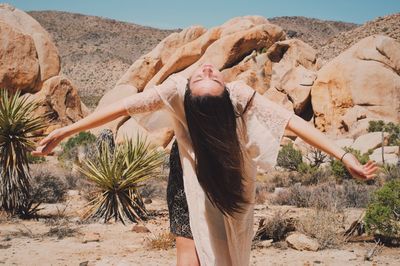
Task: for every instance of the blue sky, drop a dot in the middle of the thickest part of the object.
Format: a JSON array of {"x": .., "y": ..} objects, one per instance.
[{"x": 169, "y": 14}]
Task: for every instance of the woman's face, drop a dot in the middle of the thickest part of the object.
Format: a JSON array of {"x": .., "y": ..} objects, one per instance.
[{"x": 206, "y": 80}]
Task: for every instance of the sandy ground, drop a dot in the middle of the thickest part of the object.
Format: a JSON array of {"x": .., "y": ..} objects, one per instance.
[{"x": 26, "y": 242}]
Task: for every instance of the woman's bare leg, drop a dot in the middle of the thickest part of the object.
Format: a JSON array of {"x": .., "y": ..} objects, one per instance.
[{"x": 186, "y": 252}]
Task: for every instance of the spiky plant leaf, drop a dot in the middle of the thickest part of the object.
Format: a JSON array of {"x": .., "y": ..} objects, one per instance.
[
  {"x": 17, "y": 126},
  {"x": 118, "y": 176}
]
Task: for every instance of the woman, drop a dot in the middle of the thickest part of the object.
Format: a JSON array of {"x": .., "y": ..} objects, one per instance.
[{"x": 224, "y": 132}]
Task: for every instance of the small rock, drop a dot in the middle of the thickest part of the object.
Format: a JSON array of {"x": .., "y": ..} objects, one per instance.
[
  {"x": 148, "y": 201},
  {"x": 84, "y": 263},
  {"x": 91, "y": 237},
  {"x": 140, "y": 229},
  {"x": 301, "y": 242},
  {"x": 265, "y": 243}
]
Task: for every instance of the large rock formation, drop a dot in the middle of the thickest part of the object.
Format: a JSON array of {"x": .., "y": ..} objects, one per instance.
[
  {"x": 361, "y": 84},
  {"x": 29, "y": 62},
  {"x": 229, "y": 46},
  {"x": 342, "y": 96},
  {"x": 46, "y": 52}
]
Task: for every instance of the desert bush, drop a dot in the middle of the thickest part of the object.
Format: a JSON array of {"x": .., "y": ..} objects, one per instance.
[
  {"x": 283, "y": 179},
  {"x": 289, "y": 158},
  {"x": 61, "y": 228},
  {"x": 261, "y": 193},
  {"x": 316, "y": 157},
  {"x": 382, "y": 217},
  {"x": 70, "y": 149},
  {"x": 17, "y": 128},
  {"x": 326, "y": 227},
  {"x": 392, "y": 128},
  {"x": 309, "y": 175},
  {"x": 276, "y": 227},
  {"x": 356, "y": 194},
  {"x": 391, "y": 172},
  {"x": 48, "y": 188},
  {"x": 162, "y": 241},
  {"x": 326, "y": 196},
  {"x": 338, "y": 168}
]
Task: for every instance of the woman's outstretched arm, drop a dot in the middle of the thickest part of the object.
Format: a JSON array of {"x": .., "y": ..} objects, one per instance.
[
  {"x": 148, "y": 100},
  {"x": 319, "y": 140}
]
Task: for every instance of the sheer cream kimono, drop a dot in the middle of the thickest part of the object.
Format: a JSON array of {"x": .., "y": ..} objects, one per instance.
[{"x": 222, "y": 240}]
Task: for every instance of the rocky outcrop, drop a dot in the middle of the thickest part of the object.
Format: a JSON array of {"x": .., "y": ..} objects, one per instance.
[
  {"x": 29, "y": 63},
  {"x": 46, "y": 51},
  {"x": 59, "y": 102},
  {"x": 229, "y": 46},
  {"x": 293, "y": 66},
  {"x": 361, "y": 83},
  {"x": 145, "y": 68}
]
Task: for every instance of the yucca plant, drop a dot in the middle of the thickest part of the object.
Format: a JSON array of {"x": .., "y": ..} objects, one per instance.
[
  {"x": 17, "y": 126},
  {"x": 118, "y": 175}
]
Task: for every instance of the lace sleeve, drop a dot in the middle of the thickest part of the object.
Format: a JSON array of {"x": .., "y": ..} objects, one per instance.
[
  {"x": 151, "y": 99},
  {"x": 265, "y": 124}
]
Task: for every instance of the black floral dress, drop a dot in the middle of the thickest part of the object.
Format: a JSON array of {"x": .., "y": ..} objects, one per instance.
[{"x": 176, "y": 198}]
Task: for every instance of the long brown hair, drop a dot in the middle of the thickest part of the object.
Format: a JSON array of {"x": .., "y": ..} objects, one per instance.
[{"x": 212, "y": 126}]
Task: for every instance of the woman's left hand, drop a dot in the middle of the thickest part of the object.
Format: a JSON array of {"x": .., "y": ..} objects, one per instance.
[{"x": 359, "y": 171}]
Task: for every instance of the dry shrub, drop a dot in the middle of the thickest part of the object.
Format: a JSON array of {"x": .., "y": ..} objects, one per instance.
[
  {"x": 275, "y": 227},
  {"x": 326, "y": 227},
  {"x": 261, "y": 193},
  {"x": 162, "y": 241},
  {"x": 327, "y": 196},
  {"x": 48, "y": 188}
]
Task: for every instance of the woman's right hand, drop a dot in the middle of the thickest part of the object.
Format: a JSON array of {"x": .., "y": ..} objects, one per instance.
[{"x": 47, "y": 144}]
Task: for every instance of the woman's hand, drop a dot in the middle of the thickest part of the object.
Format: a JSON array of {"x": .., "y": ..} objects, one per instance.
[
  {"x": 359, "y": 171},
  {"x": 47, "y": 144}
]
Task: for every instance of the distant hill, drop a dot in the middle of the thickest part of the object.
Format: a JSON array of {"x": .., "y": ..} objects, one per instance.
[
  {"x": 96, "y": 51},
  {"x": 387, "y": 25},
  {"x": 313, "y": 31}
]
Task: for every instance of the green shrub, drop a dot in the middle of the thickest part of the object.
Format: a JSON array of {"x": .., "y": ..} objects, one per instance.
[
  {"x": 338, "y": 168},
  {"x": 391, "y": 128},
  {"x": 289, "y": 158},
  {"x": 70, "y": 148},
  {"x": 382, "y": 217}
]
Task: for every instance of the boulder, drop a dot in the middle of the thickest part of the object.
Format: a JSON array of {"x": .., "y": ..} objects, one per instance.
[
  {"x": 47, "y": 52},
  {"x": 388, "y": 158},
  {"x": 231, "y": 49},
  {"x": 296, "y": 83},
  {"x": 131, "y": 129},
  {"x": 369, "y": 141},
  {"x": 19, "y": 65},
  {"x": 119, "y": 92},
  {"x": 187, "y": 55},
  {"x": 252, "y": 71},
  {"x": 279, "y": 97},
  {"x": 366, "y": 75},
  {"x": 293, "y": 66},
  {"x": 143, "y": 69},
  {"x": 59, "y": 100},
  {"x": 302, "y": 242},
  {"x": 346, "y": 142},
  {"x": 390, "y": 154}
]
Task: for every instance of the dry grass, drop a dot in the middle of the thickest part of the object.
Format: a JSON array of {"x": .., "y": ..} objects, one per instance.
[
  {"x": 162, "y": 241},
  {"x": 325, "y": 226}
]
